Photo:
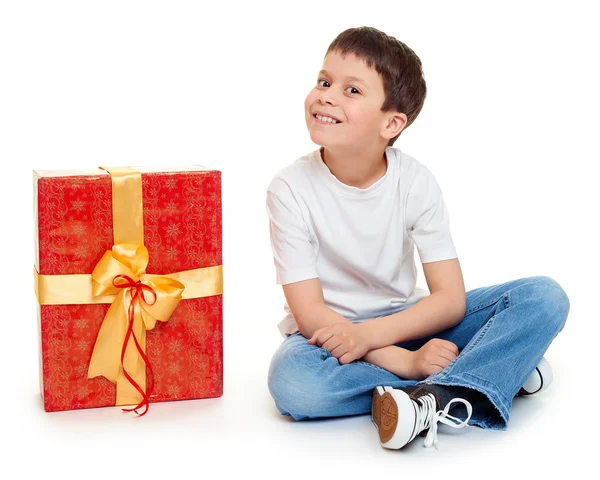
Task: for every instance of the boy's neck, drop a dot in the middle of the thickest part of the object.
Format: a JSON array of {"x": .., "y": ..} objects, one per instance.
[{"x": 359, "y": 170}]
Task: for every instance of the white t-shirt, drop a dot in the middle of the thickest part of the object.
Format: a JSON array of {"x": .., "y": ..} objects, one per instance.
[{"x": 358, "y": 242}]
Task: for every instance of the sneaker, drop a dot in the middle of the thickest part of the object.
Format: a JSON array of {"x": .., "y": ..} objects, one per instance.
[
  {"x": 539, "y": 380},
  {"x": 400, "y": 418}
]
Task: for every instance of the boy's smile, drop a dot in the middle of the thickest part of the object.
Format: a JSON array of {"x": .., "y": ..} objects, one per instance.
[{"x": 324, "y": 119}]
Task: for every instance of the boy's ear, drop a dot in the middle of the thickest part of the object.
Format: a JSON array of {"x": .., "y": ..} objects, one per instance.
[{"x": 395, "y": 124}]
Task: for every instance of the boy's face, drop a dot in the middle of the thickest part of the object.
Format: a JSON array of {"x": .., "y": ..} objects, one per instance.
[{"x": 352, "y": 93}]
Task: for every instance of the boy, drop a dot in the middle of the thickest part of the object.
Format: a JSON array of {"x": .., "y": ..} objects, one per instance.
[{"x": 344, "y": 220}]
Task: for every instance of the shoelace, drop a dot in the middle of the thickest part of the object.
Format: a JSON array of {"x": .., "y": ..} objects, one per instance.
[{"x": 427, "y": 417}]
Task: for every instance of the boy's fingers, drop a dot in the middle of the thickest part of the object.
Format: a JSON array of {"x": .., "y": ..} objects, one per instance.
[
  {"x": 323, "y": 337},
  {"x": 345, "y": 358},
  {"x": 447, "y": 356},
  {"x": 447, "y": 351},
  {"x": 320, "y": 337},
  {"x": 451, "y": 348},
  {"x": 314, "y": 336},
  {"x": 339, "y": 347}
]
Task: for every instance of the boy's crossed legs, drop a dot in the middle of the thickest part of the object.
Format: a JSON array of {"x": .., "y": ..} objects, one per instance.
[{"x": 502, "y": 338}]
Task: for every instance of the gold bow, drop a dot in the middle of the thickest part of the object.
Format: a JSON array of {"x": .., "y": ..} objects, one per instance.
[{"x": 120, "y": 347}]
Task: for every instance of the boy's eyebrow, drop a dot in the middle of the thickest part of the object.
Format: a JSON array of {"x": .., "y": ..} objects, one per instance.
[{"x": 356, "y": 79}]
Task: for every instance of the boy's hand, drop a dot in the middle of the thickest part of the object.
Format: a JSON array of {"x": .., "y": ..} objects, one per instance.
[
  {"x": 346, "y": 341},
  {"x": 432, "y": 357}
]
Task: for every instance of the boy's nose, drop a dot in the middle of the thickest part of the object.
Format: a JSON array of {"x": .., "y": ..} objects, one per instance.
[{"x": 326, "y": 97}]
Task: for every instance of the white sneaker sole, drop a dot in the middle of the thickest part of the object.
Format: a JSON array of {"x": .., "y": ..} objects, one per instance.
[{"x": 393, "y": 413}]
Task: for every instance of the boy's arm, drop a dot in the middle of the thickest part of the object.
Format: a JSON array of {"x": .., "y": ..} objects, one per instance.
[
  {"x": 428, "y": 224},
  {"x": 442, "y": 309},
  {"x": 430, "y": 315},
  {"x": 305, "y": 299},
  {"x": 306, "y": 302},
  {"x": 394, "y": 359}
]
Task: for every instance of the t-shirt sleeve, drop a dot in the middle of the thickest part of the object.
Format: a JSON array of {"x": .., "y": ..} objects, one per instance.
[
  {"x": 427, "y": 220},
  {"x": 293, "y": 252}
]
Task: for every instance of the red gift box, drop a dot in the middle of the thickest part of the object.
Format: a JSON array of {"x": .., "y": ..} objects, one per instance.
[{"x": 181, "y": 230}]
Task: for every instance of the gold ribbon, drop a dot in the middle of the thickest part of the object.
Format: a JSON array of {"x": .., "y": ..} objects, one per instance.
[
  {"x": 128, "y": 218},
  {"x": 119, "y": 274},
  {"x": 76, "y": 289}
]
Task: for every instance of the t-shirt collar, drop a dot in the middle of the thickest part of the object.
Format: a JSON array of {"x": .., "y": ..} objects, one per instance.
[{"x": 349, "y": 190}]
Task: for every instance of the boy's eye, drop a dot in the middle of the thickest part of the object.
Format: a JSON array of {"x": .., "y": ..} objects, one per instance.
[{"x": 320, "y": 83}]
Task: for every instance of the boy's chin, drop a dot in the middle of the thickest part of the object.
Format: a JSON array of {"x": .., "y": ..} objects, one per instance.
[{"x": 321, "y": 141}]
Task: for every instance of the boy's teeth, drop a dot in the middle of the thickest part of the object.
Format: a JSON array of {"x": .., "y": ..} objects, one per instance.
[{"x": 326, "y": 119}]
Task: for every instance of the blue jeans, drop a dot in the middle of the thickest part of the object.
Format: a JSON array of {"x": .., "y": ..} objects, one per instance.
[{"x": 503, "y": 336}]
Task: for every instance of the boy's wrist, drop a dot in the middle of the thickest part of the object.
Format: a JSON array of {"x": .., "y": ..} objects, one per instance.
[
  {"x": 397, "y": 360},
  {"x": 367, "y": 334}
]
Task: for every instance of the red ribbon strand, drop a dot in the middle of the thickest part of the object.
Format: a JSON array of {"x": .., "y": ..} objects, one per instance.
[{"x": 136, "y": 290}]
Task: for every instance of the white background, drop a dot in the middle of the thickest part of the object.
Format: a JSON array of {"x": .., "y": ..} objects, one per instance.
[{"x": 509, "y": 129}]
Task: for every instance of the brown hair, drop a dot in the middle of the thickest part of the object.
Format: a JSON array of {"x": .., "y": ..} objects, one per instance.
[{"x": 399, "y": 67}]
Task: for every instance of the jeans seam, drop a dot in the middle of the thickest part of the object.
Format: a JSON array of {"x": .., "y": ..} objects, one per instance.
[
  {"x": 484, "y": 330},
  {"x": 372, "y": 365},
  {"x": 483, "y": 305}
]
